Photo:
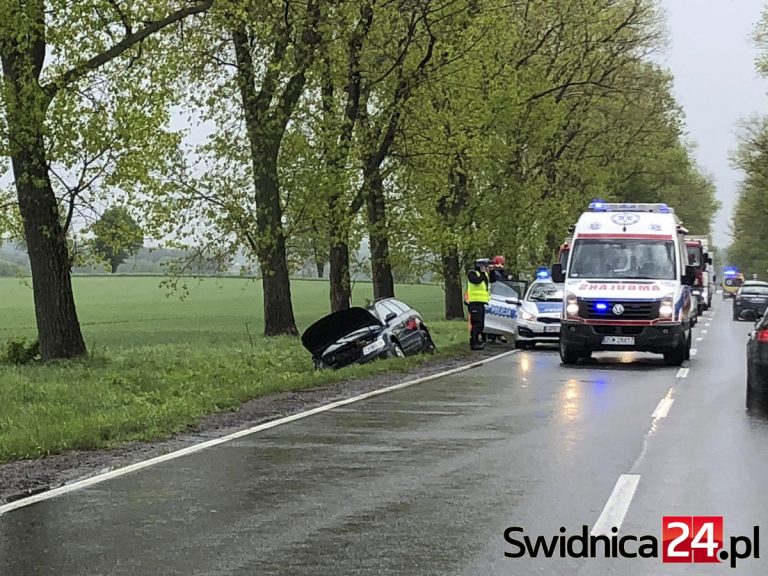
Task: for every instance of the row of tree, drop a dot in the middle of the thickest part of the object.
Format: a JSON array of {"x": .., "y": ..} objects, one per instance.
[
  {"x": 438, "y": 129},
  {"x": 748, "y": 222}
]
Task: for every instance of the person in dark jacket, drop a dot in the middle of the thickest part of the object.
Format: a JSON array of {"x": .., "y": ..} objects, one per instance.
[{"x": 479, "y": 280}]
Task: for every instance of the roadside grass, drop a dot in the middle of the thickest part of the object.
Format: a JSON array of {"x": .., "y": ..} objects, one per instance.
[{"x": 158, "y": 365}]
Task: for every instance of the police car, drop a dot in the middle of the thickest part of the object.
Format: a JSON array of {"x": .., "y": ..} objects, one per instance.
[{"x": 539, "y": 313}]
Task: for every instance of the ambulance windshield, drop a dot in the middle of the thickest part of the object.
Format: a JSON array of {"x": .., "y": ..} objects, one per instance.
[{"x": 608, "y": 258}]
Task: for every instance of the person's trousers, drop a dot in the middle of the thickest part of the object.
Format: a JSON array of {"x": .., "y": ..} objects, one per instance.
[{"x": 477, "y": 322}]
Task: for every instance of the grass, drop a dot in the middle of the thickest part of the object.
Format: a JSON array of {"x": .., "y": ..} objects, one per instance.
[{"x": 158, "y": 364}]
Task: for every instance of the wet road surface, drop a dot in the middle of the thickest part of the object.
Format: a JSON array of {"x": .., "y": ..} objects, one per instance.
[{"x": 425, "y": 480}]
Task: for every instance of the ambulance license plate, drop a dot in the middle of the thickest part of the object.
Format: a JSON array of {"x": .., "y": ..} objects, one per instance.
[
  {"x": 552, "y": 328},
  {"x": 619, "y": 340}
]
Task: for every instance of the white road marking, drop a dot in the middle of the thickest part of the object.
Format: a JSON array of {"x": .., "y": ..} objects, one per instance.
[
  {"x": 683, "y": 373},
  {"x": 616, "y": 508},
  {"x": 703, "y": 331},
  {"x": 699, "y": 339},
  {"x": 694, "y": 351},
  {"x": 86, "y": 482},
  {"x": 662, "y": 408},
  {"x": 707, "y": 323}
]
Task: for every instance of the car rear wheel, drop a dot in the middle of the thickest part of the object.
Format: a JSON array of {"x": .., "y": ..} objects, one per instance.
[{"x": 427, "y": 344}]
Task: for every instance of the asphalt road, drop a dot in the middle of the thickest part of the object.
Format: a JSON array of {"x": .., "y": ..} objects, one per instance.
[{"x": 425, "y": 480}]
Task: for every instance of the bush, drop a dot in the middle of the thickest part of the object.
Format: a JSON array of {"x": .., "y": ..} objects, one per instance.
[{"x": 21, "y": 351}]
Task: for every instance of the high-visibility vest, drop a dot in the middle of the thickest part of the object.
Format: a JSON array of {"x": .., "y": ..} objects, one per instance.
[{"x": 479, "y": 292}]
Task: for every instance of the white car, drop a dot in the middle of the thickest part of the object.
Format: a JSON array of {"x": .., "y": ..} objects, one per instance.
[
  {"x": 538, "y": 318},
  {"x": 501, "y": 311}
]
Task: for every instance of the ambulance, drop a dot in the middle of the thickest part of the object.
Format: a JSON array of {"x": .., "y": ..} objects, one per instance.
[{"x": 627, "y": 284}]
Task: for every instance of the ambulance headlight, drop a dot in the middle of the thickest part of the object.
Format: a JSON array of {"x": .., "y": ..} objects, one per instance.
[
  {"x": 666, "y": 310},
  {"x": 571, "y": 306}
]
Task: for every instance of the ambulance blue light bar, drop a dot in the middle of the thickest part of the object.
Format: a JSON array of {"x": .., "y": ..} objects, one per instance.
[
  {"x": 730, "y": 270},
  {"x": 542, "y": 272},
  {"x": 600, "y": 206}
]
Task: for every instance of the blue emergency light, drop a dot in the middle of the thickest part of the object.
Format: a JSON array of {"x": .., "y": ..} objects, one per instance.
[
  {"x": 597, "y": 205},
  {"x": 601, "y": 306},
  {"x": 663, "y": 208},
  {"x": 542, "y": 272},
  {"x": 730, "y": 271}
]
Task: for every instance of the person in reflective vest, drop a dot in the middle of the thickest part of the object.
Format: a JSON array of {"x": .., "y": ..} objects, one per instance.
[{"x": 478, "y": 295}]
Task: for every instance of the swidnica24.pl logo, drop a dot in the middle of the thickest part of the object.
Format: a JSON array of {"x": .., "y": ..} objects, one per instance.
[{"x": 690, "y": 539}]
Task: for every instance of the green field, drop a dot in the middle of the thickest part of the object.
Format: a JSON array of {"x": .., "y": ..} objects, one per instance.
[{"x": 158, "y": 363}]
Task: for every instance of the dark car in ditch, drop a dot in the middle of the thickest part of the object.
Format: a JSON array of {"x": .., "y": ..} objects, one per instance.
[
  {"x": 757, "y": 361},
  {"x": 753, "y": 295},
  {"x": 387, "y": 328}
]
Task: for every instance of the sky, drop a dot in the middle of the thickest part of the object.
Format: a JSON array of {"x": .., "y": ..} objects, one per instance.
[{"x": 712, "y": 57}]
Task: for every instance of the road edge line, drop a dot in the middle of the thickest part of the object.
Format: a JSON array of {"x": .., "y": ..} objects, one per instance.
[{"x": 194, "y": 448}]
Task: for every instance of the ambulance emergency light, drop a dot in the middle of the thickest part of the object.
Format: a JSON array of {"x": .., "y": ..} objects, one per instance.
[
  {"x": 601, "y": 206},
  {"x": 542, "y": 272},
  {"x": 730, "y": 270}
]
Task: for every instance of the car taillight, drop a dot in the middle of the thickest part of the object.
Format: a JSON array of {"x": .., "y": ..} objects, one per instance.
[{"x": 762, "y": 335}]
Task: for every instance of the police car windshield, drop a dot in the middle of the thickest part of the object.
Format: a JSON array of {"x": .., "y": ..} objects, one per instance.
[
  {"x": 546, "y": 293},
  {"x": 617, "y": 258}
]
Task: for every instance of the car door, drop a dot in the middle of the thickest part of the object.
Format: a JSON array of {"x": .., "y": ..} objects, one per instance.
[
  {"x": 396, "y": 322},
  {"x": 501, "y": 311},
  {"x": 410, "y": 338}
]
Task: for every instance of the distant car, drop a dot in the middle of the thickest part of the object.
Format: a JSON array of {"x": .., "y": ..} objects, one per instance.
[
  {"x": 539, "y": 314},
  {"x": 753, "y": 295},
  {"x": 501, "y": 311},
  {"x": 387, "y": 328},
  {"x": 757, "y": 362}
]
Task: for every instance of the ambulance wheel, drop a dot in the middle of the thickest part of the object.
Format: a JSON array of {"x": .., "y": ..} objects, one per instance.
[
  {"x": 676, "y": 356},
  {"x": 568, "y": 355}
]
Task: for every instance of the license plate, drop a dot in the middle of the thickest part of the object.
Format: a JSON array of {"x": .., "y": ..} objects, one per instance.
[
  {"x": 552, "y": 328},
  {"x": 371, "y": 348},
  {"x": 619, "y": 340}
]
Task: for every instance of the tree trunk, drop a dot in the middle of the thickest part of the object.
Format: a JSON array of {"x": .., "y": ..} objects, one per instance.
[
  {"x": 341, "y": 290},
  {"x": 278, "y": 307},
  {"x": 114, "y": 264},
  {"x": 265, "y": 132},
  {"x": 381, "y": 267},
  {"x": 320, "y": 265},
  {"x": 58, "y": 327},
  {"x": 57, "y": 324},
  {"x": 454, "y": 299}
]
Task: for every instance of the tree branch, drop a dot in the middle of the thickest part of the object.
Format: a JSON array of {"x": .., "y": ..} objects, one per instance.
[{"x": 129, "y": 41}]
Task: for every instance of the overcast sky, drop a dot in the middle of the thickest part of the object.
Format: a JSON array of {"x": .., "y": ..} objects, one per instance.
[{"x": 712, "y": 58}]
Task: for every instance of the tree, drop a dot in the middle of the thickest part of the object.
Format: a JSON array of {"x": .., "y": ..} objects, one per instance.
[
  {"x": 79, "y": 42},
  {"x": 117, "y": 236}
]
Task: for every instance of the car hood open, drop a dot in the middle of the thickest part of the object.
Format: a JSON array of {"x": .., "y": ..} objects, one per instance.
[{"x": 334, "y": 327}]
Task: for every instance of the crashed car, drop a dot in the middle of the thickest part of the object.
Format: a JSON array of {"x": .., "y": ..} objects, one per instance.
[{"x": 385, "y": 329}]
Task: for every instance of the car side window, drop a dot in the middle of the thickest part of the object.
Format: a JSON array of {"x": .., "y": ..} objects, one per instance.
[
  {"x": 403, "y": 307},
  {"x": 384, "y": 308},
  {"x": 381, "y": 310}
]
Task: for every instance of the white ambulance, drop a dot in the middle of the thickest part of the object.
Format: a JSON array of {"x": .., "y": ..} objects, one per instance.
[{"x": 627, "y": 284}]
